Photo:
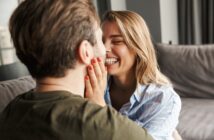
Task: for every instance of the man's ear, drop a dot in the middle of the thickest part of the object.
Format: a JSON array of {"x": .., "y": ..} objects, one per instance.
[{"x": 85, "y": 52}]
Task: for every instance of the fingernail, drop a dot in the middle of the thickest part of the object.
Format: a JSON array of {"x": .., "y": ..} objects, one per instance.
[
  {"x": 90, "y": 67},
  {"x": 99, "y": 59},
  {"x": 86, "y": 77},
  {"x": 93, "y": 60}
]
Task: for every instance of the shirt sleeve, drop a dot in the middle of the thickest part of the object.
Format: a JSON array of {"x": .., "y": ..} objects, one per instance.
[
  {"x": 106, "y": 123},
  {"x": 126, "y": 129}
]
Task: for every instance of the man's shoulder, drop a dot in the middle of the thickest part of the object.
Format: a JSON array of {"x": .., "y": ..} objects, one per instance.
[
  {"x": 74, "y": 116},
  {"x": 94, "y": 121}
]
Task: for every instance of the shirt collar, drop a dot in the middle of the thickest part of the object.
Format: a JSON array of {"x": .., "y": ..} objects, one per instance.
[
  {"x": 139, "y": 92},
  {"x": 136, "y": 96}
]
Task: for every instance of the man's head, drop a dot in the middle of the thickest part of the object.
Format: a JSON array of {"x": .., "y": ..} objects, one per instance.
[{"x": 47, "y": 34}]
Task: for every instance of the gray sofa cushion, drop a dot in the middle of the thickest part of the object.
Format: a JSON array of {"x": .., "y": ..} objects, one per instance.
[
  {"x": 189, "y": 67},
  {"x": 196, "y": 119},
  {"x": 11, "y": 88},
  {"x": 13, "y": 71}
]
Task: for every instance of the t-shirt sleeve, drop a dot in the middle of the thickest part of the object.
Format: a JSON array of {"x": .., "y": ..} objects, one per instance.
[{"x": 107, "y": 124}]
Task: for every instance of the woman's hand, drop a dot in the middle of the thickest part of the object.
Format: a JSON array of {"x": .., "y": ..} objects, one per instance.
[{"x": 95, "y": 81}]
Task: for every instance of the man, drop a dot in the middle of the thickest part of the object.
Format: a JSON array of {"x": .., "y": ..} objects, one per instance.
[{"x": 56, "y": 40}]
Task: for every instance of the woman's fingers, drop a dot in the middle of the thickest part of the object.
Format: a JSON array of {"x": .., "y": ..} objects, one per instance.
[
  {"x": 95, "y": 82},
  {"x": 88, "y": 87},
  {"x": 97, "y": 69},
  {"x": 92, "y": 77},
  {"x": 102, "y": 66}
]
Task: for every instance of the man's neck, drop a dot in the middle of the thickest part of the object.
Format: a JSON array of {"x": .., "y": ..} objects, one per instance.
[{"x": 73, "y": 82}]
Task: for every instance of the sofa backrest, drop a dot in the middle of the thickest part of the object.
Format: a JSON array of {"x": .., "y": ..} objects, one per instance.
[
  {"x": 11, "y": 88},
  {"x": 13, "y": 71},
  {"x": 189, "y": 67}
]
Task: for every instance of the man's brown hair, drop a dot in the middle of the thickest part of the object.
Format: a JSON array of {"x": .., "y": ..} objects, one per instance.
[{"x": 46, "y": 33}]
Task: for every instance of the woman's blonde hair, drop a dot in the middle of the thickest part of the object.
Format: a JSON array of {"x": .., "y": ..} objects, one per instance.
[{"x": 137, "y": 37}]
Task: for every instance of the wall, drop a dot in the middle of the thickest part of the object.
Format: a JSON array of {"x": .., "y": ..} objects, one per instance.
[
  {"x": 118, "y": 4},
  {"x": 7, "y": 52},
  {"x": 160, "y": 16},
  {"x": 169, "y": 21},
  {"x": 150, "y": 11},
  {"x": 6, "y": 9}
]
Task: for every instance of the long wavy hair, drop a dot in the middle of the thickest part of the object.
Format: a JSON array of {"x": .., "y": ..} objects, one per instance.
[{"x": 137, "y": 37}]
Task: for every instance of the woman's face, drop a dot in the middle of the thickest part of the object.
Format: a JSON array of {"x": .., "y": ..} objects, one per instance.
[{"x": 120, "y": 59}]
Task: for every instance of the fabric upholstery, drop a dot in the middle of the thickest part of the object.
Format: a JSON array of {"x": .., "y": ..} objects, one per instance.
[
  {"x": 13, "y": 71},
  {"x": 196, "y": 119},
  {"x": 191, "y": 70},
  {"x": 189, "y": 67},
  {"x": 11, "y": 88}
]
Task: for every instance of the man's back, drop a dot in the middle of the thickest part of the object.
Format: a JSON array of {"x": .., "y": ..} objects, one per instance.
[{"x": 62, "y": 115}]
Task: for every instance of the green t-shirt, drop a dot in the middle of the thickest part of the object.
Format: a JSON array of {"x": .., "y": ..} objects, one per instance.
[{"x": 60, "y": 115}]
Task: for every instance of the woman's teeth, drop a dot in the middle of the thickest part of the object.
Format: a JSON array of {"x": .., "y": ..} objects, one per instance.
[{"x": 110, "y": 61}]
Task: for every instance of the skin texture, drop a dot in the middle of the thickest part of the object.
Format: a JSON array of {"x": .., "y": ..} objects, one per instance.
[
  {"x": 120, "y": 66},
  {"x": 123, "y": 71},
  {"x": 95, "y": 82},
  {"x": 96, "y": 78},
  {"x": 116, "y": 48}
]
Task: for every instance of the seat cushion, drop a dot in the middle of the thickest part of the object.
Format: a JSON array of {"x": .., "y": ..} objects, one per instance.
[
  {"x": 196, "y": 119},
  {"x": 11, "y": 88}
]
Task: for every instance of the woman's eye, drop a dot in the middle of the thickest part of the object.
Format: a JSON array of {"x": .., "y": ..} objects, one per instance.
[{"x": 117, "y": 42}]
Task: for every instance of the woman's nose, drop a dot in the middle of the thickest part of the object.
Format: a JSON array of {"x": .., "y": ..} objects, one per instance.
[{"x": 108, "y": 47}]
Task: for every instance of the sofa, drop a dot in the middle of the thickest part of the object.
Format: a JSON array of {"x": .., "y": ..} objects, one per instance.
[
  {"x": 12, "y": 71},
  {"x": 9, "y": 89},
  {"x": 191, "y": 71}
]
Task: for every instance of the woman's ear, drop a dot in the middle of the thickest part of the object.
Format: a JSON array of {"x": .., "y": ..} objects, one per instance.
[{"x": 85, "y": 52}]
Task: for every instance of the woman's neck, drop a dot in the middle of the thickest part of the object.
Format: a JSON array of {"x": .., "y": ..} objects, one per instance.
[
  {"x": 124, "y": 82},
  {"x": 121, "y": 89}
]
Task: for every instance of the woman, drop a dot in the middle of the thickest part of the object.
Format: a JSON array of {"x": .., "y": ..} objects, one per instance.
[{"x": 136, "y": 87}]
